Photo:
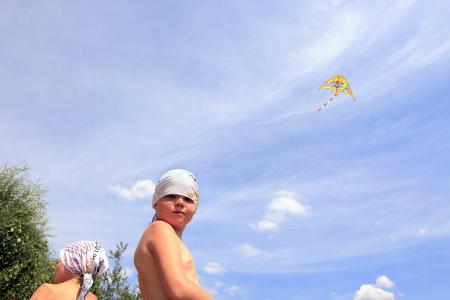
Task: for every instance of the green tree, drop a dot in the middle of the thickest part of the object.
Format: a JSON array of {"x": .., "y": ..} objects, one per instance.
[
  {"x": 114, "y": 283},
  {"x": 25, "y": 261}
]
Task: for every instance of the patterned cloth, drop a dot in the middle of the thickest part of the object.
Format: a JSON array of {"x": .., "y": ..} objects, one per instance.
[
  {"x": 179, "y": 182},
  {"x": 86, "y": 259}
]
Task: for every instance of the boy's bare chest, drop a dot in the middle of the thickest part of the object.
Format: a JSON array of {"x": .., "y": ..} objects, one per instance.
[{"x": 188, "y": 264}]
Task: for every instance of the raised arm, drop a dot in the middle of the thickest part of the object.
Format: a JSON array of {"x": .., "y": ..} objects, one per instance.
[{"x": 166, "y": 248}]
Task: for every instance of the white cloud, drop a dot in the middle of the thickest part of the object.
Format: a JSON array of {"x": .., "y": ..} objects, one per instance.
[
  {"x": 370, "y": 292},
  {"x": 141, "y": 189},
  {"x": 128, "y": 271},
  {"x": 384, "y": 282},
  {"x": 248, "y": 250},
  {"x": 422, "y": 232},
  {"x": 267, "y": 225},
  {"x": 126, "y": 120},
  {"x": 233, "y": 290},
  {"x": 376, "y": 291},
  {"x": 279, "y": 210},
  {"x": 221, "y": 290},
  {"x": 214, "y": 268},
  {"x": 215, "y": 288}
]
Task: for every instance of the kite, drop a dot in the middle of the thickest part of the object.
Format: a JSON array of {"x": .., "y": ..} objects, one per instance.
[{"x": 337, "y": 84}]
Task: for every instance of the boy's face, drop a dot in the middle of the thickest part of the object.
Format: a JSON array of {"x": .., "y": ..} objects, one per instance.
[
  {"x": 61, "y": 273},
  {"x": 176, "y": 210}
]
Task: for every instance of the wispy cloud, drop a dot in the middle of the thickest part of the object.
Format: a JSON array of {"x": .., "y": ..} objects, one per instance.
[
  {"x": 248, "y": 250},
  {"x": 422, "y": 231},
  {"x": 225, "y": 291},
  {"x": 336, "y": 36},
  {"x": 233, "y": 290},
  {"x": 230, "y": 89}
]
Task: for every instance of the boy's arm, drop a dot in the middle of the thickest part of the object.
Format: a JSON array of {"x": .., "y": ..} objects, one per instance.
[{"x": 164, "y": 246}]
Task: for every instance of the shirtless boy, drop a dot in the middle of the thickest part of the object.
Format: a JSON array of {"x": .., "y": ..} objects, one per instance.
[
  {"x": 165, "y": 266},
  {"x": 80, "y": 262}
]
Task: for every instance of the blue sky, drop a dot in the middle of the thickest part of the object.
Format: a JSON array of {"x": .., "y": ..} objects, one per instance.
[{"x": 100, "y": 98}]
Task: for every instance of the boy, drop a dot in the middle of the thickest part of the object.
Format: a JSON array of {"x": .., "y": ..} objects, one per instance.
[
  {"x": 80, "y": 262},
  {"x": 165, "y": 266}
]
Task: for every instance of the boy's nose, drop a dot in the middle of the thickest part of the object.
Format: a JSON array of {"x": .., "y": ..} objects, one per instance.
[{"x": 179, "y": 201}]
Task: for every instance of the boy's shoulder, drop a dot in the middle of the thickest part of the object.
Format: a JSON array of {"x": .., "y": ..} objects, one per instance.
[
  {"x": 90, "y": 296},
  {"x": 159, "y": 226},
  {"x": 157, "y": 230},
  {"x": 54, "y": 291},
  {"x": 43, "y": 291},
  {"x": 161, "y": 232}
]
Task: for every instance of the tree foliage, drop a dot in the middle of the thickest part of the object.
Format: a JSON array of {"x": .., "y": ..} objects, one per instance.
[
  {"x": 25, "y": 261},
  {"x": 114, "y": 283}
]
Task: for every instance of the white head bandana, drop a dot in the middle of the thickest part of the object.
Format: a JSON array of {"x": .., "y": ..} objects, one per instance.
[
  {"x": 178, "y": 182},
  {"x": 86, "y": 259}
]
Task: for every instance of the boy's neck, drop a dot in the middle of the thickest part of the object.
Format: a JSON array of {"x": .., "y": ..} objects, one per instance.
[
  {"x": 75, "y": 281},
  {"x": 179, "y": 232}
]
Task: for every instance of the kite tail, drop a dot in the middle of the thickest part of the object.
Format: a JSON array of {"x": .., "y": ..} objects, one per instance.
[{"x": 326, "y": 103}]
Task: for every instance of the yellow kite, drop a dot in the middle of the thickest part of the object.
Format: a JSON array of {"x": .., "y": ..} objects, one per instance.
[{"x": 337, "y": 84}]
